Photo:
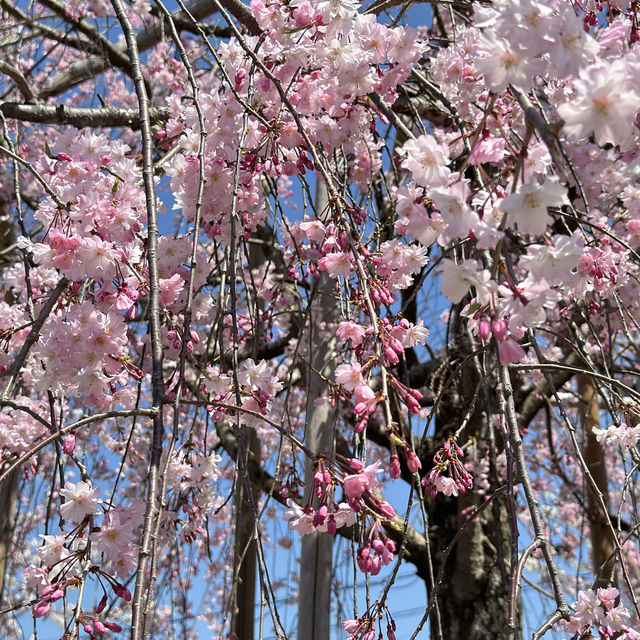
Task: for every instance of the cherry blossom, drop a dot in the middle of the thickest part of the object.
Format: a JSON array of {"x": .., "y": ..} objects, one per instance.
[{"x": 80, "y": 501}]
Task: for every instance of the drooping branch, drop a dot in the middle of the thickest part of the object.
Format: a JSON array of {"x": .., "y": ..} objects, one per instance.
[{"x": 152, "y": 513}]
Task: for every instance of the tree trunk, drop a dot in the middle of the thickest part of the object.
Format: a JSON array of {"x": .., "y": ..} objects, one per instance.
[
  {"x": 602, "y": 549},
  {"x": 314, "y": 600},
  {"x": 474, "y": 595},
  {"x": 244, "y": 552},
  {"x": 8, "y": 495}
]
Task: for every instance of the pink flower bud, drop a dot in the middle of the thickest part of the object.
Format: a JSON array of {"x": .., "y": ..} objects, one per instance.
[
  {"x": 69, "y": 444},
  {"x": 413, "y": 462},
  {"x": 49, "y": 589},
  {"x": 41, "y": 608},
  {"x": 394, "y": 467},
  {"x": 320, "y": 516},
  {"x": 122, "y": 592},
  {"x": 113, "y": 626},
  {"x": 102, "y": 604},
  {"x": 98, "y": 626},
  {"x": 351, "y": 626},
  {"x": 484, "y": 329},
  {"x": 385, "y": 509},
  {"x": 360, "y": 426},
  {"x": 412, "y": 404},
  {"x": 391, "y": 355},
  {"x": 500, "y": 328}
]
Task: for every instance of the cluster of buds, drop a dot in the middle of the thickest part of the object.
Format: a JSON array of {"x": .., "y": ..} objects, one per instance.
[
  {"x": 320, "y": 511},
  {"x": 291, "y": 485},
  {"x": 366, "y": 403},
  {"x": 364, "y": 628},
  {"x": 50, "y": 594},
  {"x": 413, "y": 464},
  {"x": 376, "y": 551},
  {"x": 379, "y": 291},
  {"x": 392, "y": 348},
  {"x": 176, "y": 337},
  {"x": 410, "y": 397},
  {"x": 448, "y": 475},
  {"x": 94, "y": 626},
  {"x": 411, "y": 459},
  {"x": 509, "y": 350},
  {"x": 323, "y": 490},
  {"x": 359, "y": 488}
]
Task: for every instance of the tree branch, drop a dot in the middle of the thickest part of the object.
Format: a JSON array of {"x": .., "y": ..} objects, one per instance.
[
  {"x": 21, "y": 82},
  {"x": 79, "y": 116},
  {"x": 145, "y": 39}
]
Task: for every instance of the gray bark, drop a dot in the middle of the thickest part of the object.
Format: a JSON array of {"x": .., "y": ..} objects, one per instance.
[{"x": 314, "y": 600}]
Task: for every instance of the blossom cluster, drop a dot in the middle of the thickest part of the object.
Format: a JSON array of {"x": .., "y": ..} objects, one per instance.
[
  {"x": 600, "y": 608},
  {"x": 449, "y": 475}
]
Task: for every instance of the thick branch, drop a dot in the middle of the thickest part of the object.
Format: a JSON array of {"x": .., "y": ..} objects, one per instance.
[
  {"x": 146, "y": 39},
  {"x": 530, "y": 401},
  {"x": 21, "y": 82},
  {"x": 116, "y": 56},
  {"x": 79, "y": 117}
]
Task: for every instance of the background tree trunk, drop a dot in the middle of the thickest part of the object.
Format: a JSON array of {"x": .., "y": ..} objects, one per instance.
[
  {"x": 314, "y": 600},
  {"x": 8, "y": 495},
  {"x": 602, "y": 549},
  {"x": 244, "y": 558}
]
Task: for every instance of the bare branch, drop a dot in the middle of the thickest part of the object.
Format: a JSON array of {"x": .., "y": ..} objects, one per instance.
[
  {"x": 147, "y": 38},
  {"x": 78, "y": 116},
  {"x": 21, "y": 82}
]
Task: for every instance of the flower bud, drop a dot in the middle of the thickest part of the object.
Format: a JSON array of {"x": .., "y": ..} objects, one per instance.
[
  {"x": 69, "y": 444},
  {"x": 41, "y": 608},
  {"x": 102, "y": 604},
  {"x": 394, "y": 467},
  {"x": 500, "y": 328},
  {"x": 484, "y": 329},
  {"x": 413, "y": 462}
]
